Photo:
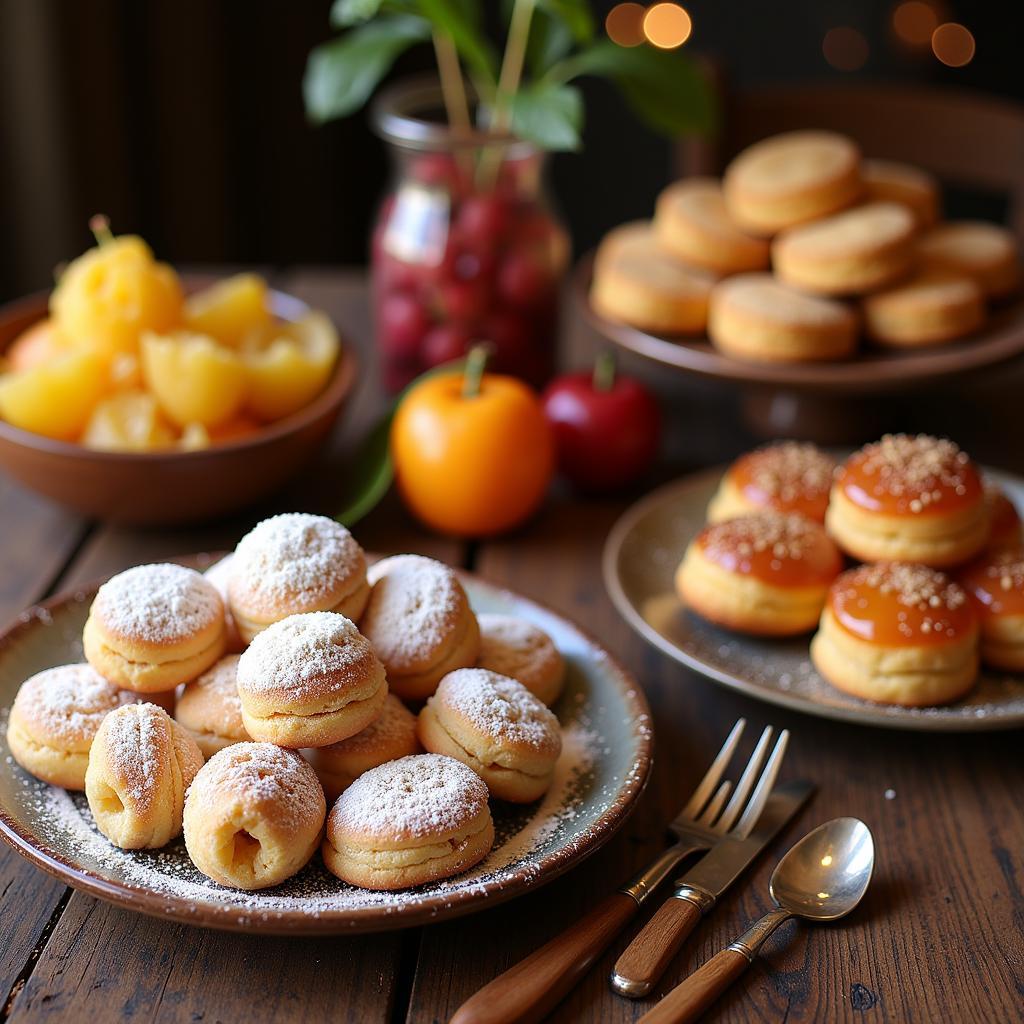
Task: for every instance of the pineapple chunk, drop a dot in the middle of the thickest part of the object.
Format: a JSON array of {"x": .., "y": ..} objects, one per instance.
[
  {"x": 128, "y": 422},
  {"x": 289, "y": 365},
  {"x": 194, "y": 379},
  {"x": 230, "y": 310},
  {"x": 55, "y": 400}
]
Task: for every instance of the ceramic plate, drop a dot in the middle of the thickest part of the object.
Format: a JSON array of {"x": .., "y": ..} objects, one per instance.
[
  {"x": 604, "y": 766},
  {"x": 640, "y": 559}
]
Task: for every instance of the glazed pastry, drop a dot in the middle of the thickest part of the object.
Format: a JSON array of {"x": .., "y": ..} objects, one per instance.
[
  {"x": 517, "y": 648},
  {"x": 902, "y": 183},
  {"x": 140, "y": 765},
  {"x": 211, "y": 710},
  {"x": 1004, "y": 526},
  {"x": 153, "y": 627},
  {"x": 932, "y": 307},
  {"x": 254, "y": 816},
  {"x": 692, "y": 224},
  {"x": 638, "y": 283},
  {"x": 792, "y": 178},
  {"x": 909, "y": 499},
  {"x": 765, "y": 573},
  {"x": 219, "y": 574},
  {"x": 753, "y": 316},
  {"x": 408, "y": 822},
  {"x": 498, "y": 728},
  {"x": 786, "y": 477},
  {"x": 54, "y": 719},
  {"x": 988, "y": 253},
  {"x": 295, "y": 563},
  {"x": 850, "y": 253},
  {"x": 996, "y": 584},
  {"x": 420, "y": 623},
  {"x": 897, "y": 633},
  {"x": 310, "y": 680},
  {"x": 387, "y": 738}
]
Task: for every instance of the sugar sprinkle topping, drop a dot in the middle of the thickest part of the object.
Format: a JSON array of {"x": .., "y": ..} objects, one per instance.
[
  {"x": 69, "y": 702},
  {"x": 790, "y": 471},
  {"x": 414, "y": 797},
  {"x": 136, "y": 743},
  {"x": 160, "y": 603},
  {"x": 785, "y": 536}
]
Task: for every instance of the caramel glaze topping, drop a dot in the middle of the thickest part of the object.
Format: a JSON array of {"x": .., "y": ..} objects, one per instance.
[
  {"x": 897, "y": 604},
  {"x": 996, "y": 582},
  {"x": 911, "y": 476},
  {"x": 785, "y": 550},
  {"x": 786, "y": 477}
]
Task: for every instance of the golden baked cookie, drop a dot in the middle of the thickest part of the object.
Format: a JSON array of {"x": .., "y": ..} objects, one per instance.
[
  {"x": 909, "y": 499},
  {"x": 1004, "y": 524},
  {"x": 995, "y": 583},
  {"x": 219, "y": 574},
  {"x": 153, "y": 627},
  {"x": 987, "y": 253},
  {"x": 496, "y": 726},
  {"x": 897, "y": 633},
  {"x": 387, "y": 738},
  {"x": 54, "y": 718},
  {"x": 692, "y": 224},
  {"x": 766, "y": 573},
  {"x": 309, "y": 681},
  {"x": 929, "y": 308},
  {"x": 296, "y": 563},
  {"x": 792, "y": 178},
  {"x": 517, "y": 648},
  {"x": 408, "y": 822},
  {"x": 786, "y": 476},
  {"x": 754, "y": 316},
  {"x": 902, "y": 183},
  {"x": 850, "y": 253},
  {"x": 638, "y": 283},
  {"x": 141, "y": 763},
  {"x": 211, "y": 709},
  {"x": 419, "y": 622},
  {"x": 254, "y": 816}
]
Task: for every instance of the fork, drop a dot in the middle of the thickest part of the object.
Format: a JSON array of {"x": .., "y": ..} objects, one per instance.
[{"x": 530, "y": 989}]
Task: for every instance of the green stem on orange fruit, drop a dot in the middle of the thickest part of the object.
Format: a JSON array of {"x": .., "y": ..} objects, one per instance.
[
  {"x": 99, "y": 225},
  {"x": 604, "y": 372},
  {"x": 473, "y": 374}
]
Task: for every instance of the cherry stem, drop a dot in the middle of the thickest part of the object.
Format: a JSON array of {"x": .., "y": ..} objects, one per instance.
[
  {"x": 604, "y": 372},
  {"x": 473, "y": 374},
  {"x": 99, "y": 225}
]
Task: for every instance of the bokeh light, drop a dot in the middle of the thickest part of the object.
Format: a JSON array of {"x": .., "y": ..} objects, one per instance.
[
  {"x": 953, "y": 44},
  {"x": 914, "y": 21},
  {"x": 667, "y": 26},
  {"x": 625, "y": 24},
  {"x": 845, "y": 48}
]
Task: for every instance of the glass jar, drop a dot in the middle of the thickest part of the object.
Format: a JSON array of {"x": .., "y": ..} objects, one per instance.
[{"x": 465, "y": 247}]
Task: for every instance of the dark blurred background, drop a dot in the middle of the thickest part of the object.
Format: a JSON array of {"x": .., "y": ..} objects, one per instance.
[{"x": 183, "y": 120}]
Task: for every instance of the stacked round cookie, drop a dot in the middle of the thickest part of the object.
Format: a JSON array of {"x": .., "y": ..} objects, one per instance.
[
  {"x": 226, "y": 706},
  {"x": 800, "y": 249},
  {"x": 897, "y": 628}
]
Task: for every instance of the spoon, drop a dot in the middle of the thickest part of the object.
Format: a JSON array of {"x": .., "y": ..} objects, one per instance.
[{"x": 822, "y": 878}]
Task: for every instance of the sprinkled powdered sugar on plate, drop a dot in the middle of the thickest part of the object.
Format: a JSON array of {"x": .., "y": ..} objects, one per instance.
[
  {"x": 295, "y": 558},
  {"x": 160, "y": 603}
]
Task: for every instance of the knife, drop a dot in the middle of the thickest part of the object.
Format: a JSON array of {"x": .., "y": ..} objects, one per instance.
[{"x": 644, "y": 961}]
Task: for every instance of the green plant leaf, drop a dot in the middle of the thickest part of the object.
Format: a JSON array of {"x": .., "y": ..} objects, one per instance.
[
  {"x": 664, "y": 87},
  {"x": 460, "y": 20},
  {"x": 574, "y": 14},
  {"x": 549, "y": 115},
  {"x": 341, "y": 75},
  {"x": 550, "y": 40},
  {"x": 351, "y": 12}
]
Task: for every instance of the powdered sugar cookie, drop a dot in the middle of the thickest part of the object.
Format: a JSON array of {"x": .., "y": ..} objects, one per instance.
[
  {"x": 211, "y": 709},
  {"x": 517, "y": 648}
]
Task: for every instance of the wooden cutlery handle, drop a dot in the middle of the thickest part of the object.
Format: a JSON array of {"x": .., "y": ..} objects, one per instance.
[
  {"x": 533, "y": 987},
  {"x": 644, "y": 960},
  {"x": 689, "y": 1000}
]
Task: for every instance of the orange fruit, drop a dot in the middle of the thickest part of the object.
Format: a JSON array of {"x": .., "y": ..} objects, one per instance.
[
  {"x": 471, "y": 462},
  {"x": 39, "y": 344}
]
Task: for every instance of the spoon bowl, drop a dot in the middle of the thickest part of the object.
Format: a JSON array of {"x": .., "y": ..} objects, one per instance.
[{"x": 825, "y": 875}]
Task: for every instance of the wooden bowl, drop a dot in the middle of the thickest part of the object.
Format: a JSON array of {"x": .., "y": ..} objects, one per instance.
[{"x": 172, "y": 487}]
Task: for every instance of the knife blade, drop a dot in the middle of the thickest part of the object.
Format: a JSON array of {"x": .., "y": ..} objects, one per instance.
[{"x": 696, "y": 892}]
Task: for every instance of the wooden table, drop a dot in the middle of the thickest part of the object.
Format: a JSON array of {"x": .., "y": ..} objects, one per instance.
[{"x": 938, "y": 938}]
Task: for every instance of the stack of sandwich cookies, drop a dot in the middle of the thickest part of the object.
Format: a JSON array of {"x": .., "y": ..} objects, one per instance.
[
  {"x": 211, "y": 709},
  {"x": 995, "y": 583}
]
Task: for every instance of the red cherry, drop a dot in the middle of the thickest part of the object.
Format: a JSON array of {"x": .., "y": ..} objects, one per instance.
[
  {"x": 523, "y": 281},
  {"x": 394, "y": 275},
  {"x": 444, "y": 343},
  {"x": 512, "y": 339},
  {"x": 439, "y": 170},
  {"x": 401, "y": 324},
  {"x": 607, "y": 433},
  {"x": 482, "y": 220},
  {"x": 464, "y": 301}
]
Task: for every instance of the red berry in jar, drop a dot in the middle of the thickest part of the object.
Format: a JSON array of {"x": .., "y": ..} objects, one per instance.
[
  {"x": 402, "y": 323},
  {"x": 482, "y": 221},
  {"x": 464, "y": 301},
  {"x": 445, "y": 343},
  {"x": 523, "y": 280}
]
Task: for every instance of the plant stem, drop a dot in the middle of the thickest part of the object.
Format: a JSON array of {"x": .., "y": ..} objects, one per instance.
[
  {"x": 99, "y": 225},
  {"x": 452, "y": 87},
  {"x": 472, "y": 375},
  {"x": 604, "y": 372}
]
